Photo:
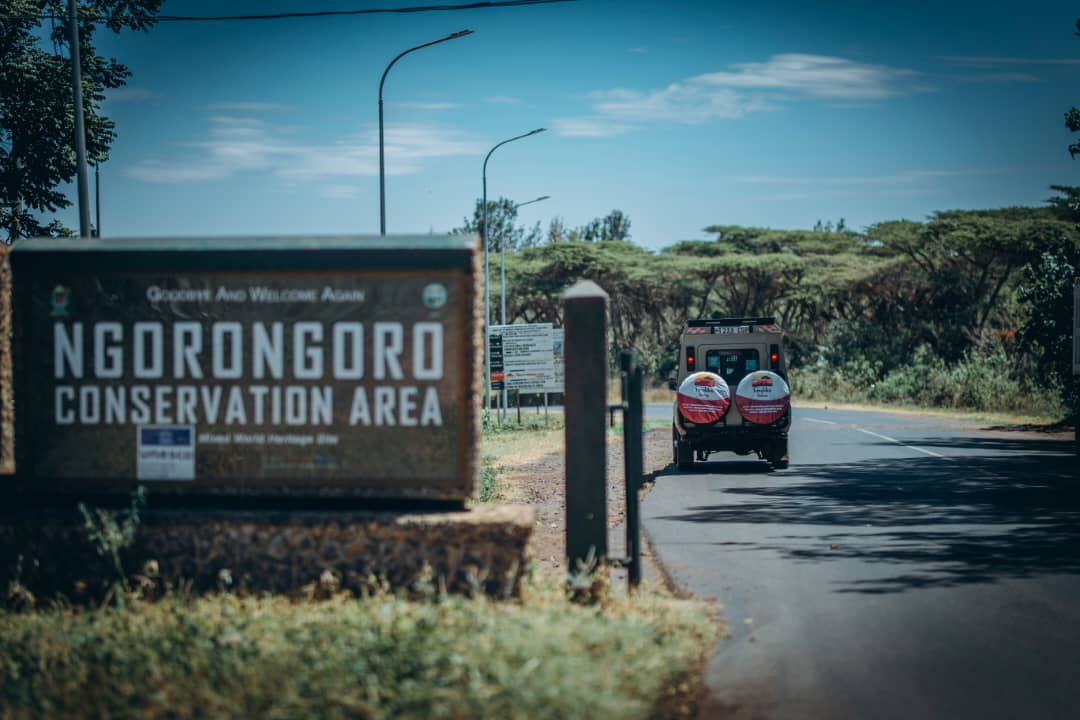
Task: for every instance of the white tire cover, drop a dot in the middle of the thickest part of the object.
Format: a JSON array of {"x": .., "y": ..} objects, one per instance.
[
  {"x": 704, "y": 398},
  {"x": 762, "y": 397}
]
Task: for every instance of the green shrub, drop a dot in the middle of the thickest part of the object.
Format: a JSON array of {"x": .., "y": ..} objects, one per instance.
[
  {"x": 489, "y": 479},
  {"x": 377, "y": 657},
  {"x": 983, "y": 380}
]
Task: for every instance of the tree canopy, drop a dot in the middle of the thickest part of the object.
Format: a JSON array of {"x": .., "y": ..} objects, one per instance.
[{"x": 37, "y": 121}]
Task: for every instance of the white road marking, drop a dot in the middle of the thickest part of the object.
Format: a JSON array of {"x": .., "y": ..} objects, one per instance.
[
  {"x": 823, "y": 422},
  {"x": 910, "y": 447}
]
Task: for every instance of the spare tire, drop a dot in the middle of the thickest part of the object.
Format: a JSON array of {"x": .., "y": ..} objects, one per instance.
[
  {"x": 763, "y": 397},
  {"x": 704, "y": 398}
]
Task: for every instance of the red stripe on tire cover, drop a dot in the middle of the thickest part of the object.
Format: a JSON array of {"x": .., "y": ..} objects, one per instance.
[
  {"x": 763, "y": 397},
  {"x": 703, "y": 398}
]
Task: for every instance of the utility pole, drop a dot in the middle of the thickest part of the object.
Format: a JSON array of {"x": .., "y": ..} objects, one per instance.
[
  {"x": 80, "y": 125},
  {"x": 97, "y": 198}
]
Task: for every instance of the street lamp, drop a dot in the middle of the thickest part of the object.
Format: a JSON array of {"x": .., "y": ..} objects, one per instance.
[
  {"x": 502, "y": 260},
  {"x": 530, "y": 202},
  {"x": 502, "y": 289},
  {"x": 382, "y": 170},
  {"x": 483, "y": 241}
]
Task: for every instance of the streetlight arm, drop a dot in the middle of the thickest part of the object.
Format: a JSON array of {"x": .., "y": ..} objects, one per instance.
[
  {"x": 525, "y": 135},
  {"x": 530, "y": 202},
  {"x": 453, "y": 36},
  {"x": 382, "y": 81}
]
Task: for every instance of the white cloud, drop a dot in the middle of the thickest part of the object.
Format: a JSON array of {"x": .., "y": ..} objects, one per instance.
[
  {"x": 236, "y": 145},
  {"x": 899, "y": 178},
  {"x": 588, "y": 127},
  {"x": 245, "y": 106},
  {"x": 749, "y": 87},
  {"x": 980, "y": 61},
  {"x": 813, "y": 75},
  {"x": 1001, "y": 77},
  {"x": 337, "y": 191},
  {"x": 432, "y": 106}
]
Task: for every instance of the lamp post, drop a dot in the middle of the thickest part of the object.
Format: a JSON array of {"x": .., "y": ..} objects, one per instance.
[
  {"x": 382, "y": 167},
  {"x": 530, "y": 202},
  {"x": 502, "y": 299},
  {"x": 97, "y": 198},
  {"x": 80, "y": 124},
  {"x": 483, "y": 241},
  {"x": 502, "y": 263}
]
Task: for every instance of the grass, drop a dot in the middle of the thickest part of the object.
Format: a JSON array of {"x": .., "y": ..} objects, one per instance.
[
  {"x": 376, "y": 657},
  {"x": 959, "y": 414},
  {"x": 513, "y": 444},
  {"x": 490, "y": 485}
]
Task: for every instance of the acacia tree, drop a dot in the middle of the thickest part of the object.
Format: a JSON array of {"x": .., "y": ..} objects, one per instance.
[
  {"x": 503, "y": 230},
  {"x": 37, "y": 123},
  {"x": 614, "y": 226}
]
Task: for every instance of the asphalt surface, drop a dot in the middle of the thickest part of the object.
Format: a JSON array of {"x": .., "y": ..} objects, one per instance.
[{"x": 902, "y": 567}]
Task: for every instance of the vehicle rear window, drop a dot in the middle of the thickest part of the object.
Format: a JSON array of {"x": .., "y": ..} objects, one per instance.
[{"x": 732, "y": 365}]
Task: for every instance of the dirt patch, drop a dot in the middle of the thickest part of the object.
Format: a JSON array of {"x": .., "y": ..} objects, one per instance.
[{"x": 540, "y": 482}]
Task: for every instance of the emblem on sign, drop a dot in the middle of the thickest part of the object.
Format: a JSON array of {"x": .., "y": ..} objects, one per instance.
[
  {"x": 59, "y": 301},
  {"x": 434, "y": 296}
]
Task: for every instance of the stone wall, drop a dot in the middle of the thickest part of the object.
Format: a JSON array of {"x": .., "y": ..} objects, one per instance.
[{"x": 468, "y": 552}]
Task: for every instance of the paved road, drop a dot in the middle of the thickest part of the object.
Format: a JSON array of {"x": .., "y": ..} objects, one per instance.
[{"x": 902, "y": 567}]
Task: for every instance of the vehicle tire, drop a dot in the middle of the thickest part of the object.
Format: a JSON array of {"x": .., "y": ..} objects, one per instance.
[
  {"x": 684, "y": 455},
  {"x": 674, "y": 445},
  {"x": 778, "y": 458}
]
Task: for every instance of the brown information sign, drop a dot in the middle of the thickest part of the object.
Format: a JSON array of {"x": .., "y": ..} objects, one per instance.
[{"x": 343, "y": 367}]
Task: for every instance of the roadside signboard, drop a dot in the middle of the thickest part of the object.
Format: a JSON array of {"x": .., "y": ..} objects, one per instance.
[
  {"x": 495, "y": 360},
  {"x": 528, "y": 363},
  {"x": 557, "y": 386},
  {"x": 326, "y": 367}
]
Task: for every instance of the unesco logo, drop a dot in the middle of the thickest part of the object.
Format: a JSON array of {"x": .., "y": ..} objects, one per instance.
[{"x": 434, "y": 296}]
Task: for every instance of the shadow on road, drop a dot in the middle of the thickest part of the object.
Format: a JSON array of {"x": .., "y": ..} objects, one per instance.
[
  {"x": 737, "y": 467},
  {"x": 1010, "y": 507}
]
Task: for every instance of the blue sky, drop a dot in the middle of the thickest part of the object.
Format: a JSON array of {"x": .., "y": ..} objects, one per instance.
[{"x": 680, "y": 114}]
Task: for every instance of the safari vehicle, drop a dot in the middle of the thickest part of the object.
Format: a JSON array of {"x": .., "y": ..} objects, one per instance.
[{"x": 731, "y": 391}]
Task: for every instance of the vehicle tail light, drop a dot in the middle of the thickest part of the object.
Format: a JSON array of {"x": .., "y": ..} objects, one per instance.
[
  {"x": 774, "y": 357},
  {"x": 689, "y": 358}
]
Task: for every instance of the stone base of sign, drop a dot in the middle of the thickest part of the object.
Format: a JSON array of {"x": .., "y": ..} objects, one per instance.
[
  {"x": 479, "y": 551},
  {"x": 7, "y": 400}
]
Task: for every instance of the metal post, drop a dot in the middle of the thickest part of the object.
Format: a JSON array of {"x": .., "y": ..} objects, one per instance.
[
  {"x": 16, "y": 224},
  {"x": 80, "y": 123},
  {"x": 382, "y": 164},
  {"x": 487, "y": 303},
  {"x": 97, "y": 198},
  {"x": 585, "y": 313},
  {"x": 502, "y": 303},
  {"x": 634, "y": 461},
  {"x": 382, "y": 81}
]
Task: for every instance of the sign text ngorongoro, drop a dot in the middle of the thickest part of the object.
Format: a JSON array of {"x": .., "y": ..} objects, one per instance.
[{"x": 281, "y": 366}]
